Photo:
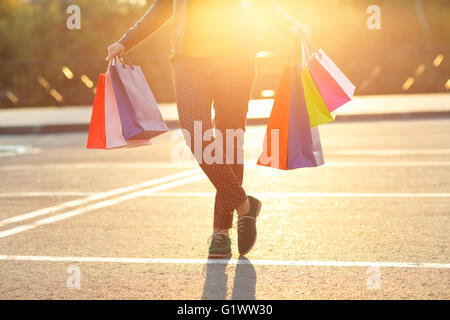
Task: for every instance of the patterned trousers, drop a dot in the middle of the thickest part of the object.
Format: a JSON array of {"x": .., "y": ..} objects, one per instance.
[{"x": 226, "y": 82}]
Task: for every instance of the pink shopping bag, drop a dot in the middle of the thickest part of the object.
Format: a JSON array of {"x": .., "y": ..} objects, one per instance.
[
  {"x": 334, "y": 87},
  {"x": 113, "y": 127}
]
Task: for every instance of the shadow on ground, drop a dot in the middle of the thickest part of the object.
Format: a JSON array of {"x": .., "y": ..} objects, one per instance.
[{"x": 215, "y": 287}]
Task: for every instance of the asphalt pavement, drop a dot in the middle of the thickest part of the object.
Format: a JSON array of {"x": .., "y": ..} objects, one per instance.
[{"x": 373, "y": 223}]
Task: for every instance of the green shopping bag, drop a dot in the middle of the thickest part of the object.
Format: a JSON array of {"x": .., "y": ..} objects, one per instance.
[{"x": 317, "y": 109}]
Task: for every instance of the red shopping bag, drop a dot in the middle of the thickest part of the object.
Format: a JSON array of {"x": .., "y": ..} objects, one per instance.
[{"x": 97, "y": 134}]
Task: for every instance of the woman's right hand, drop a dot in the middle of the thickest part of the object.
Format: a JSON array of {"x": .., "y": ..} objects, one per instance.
[
  {"x": 116, "y": 49},
  {"x": 302, "y": 30}
]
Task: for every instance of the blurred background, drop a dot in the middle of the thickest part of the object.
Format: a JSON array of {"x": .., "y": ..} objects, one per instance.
[{"x": 43, "y": 63}]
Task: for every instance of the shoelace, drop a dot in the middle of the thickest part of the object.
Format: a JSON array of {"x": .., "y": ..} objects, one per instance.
[
  {"x": 241, "y": 222},
  {"x": 217, "y": 238},
  {"x": 240, "y": 225},
  {"x": 231, "y": 230}
]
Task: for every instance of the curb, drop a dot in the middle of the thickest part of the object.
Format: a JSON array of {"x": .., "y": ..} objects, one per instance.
[{"x": 173, "y": 124}]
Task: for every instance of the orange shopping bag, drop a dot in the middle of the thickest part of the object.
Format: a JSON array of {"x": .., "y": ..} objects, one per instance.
[{"x": 277, "y": 128}]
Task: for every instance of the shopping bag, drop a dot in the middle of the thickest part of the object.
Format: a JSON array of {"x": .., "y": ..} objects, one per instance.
[
  {"x": 317, "y": 109},
  {"x": 276, "y": 138},
  {"x": 138, "y": 110},
  {"x": 334, "y": 87},
  {"x": 304, "y": 147},
  {"x": 105, "y": 131},
  {"x": 97, "y": 134},
  {"x": 113, "y": 127},
  {"x": 290, "y": 142}
]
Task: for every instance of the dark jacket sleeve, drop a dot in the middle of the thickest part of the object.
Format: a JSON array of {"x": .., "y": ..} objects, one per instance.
[
  {"x": 269, "y": 11},
  {"x": 155, "y": 17}
]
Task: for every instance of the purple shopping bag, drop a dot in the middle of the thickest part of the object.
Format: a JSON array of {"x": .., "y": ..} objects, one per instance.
[
  {"x": 139, "y": 112},
  {"x": 130, "y": 127},
  {"x": 304, "y": 147}
]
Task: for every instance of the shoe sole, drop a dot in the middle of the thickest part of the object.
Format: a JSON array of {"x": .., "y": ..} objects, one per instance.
[
  {"x": 256, "y": 231},
  {"x": 219, "y": 256}
]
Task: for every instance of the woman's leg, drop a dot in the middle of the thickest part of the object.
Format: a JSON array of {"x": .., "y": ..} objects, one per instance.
[
  {"x": 232, "y": 89},
  {"x": 194, "y": 91}
]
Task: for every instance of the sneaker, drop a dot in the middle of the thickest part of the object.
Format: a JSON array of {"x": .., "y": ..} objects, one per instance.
[
  {"x": 220, "y": 246},
  {"x": 247, "y": 226}
]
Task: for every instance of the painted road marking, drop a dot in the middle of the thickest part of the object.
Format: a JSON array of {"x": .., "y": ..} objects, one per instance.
[
  {"x": 260, "y": 194},
  {"x": 189, "y": 164},
  {"x": 97, "y": 196},
  {"x": 309, "y": 195},
  {"x": 99, "y": 205},
  {"x": 12, "y": 150},
  {"x": 391, "y": 152},
  {"x": 388, "y": 164},
  {"x": 298, "y": 263},
  {"x": 45, "y": 194}
]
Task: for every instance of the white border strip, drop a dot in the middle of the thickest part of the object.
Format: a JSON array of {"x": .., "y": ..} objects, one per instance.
[{"x": 298, "y": 263}]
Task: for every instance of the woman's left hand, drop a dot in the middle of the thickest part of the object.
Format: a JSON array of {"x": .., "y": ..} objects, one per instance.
[{"x": 302, "y": 30}]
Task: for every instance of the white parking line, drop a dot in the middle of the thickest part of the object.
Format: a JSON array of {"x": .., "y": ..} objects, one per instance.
[
  {"x": 99, "y": 205},
  {"x": 356, "y": 164},
  {"x": 100, "y": 165},
  {"x": 13, "y": 150},
  {"x": 259, "y": 194},
  {"x": 190, "y": 164},
  {"x": 97, "y": 196},
  {"x": 297, "y": 263},
  {"x": 45, "y": 194},
  {"x": 308, "y": 195},
  {"x": 390, "y": 152}
]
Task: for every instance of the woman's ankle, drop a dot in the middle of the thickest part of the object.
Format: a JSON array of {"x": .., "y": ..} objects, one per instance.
[
  {"x": 222, "y": 231},
  {"x": 243, "y": 208}
]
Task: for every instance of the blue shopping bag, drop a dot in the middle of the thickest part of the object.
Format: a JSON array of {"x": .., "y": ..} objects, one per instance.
[
  {"x": 304, "y": 147},
  {"x": 130, "y": 127}
]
